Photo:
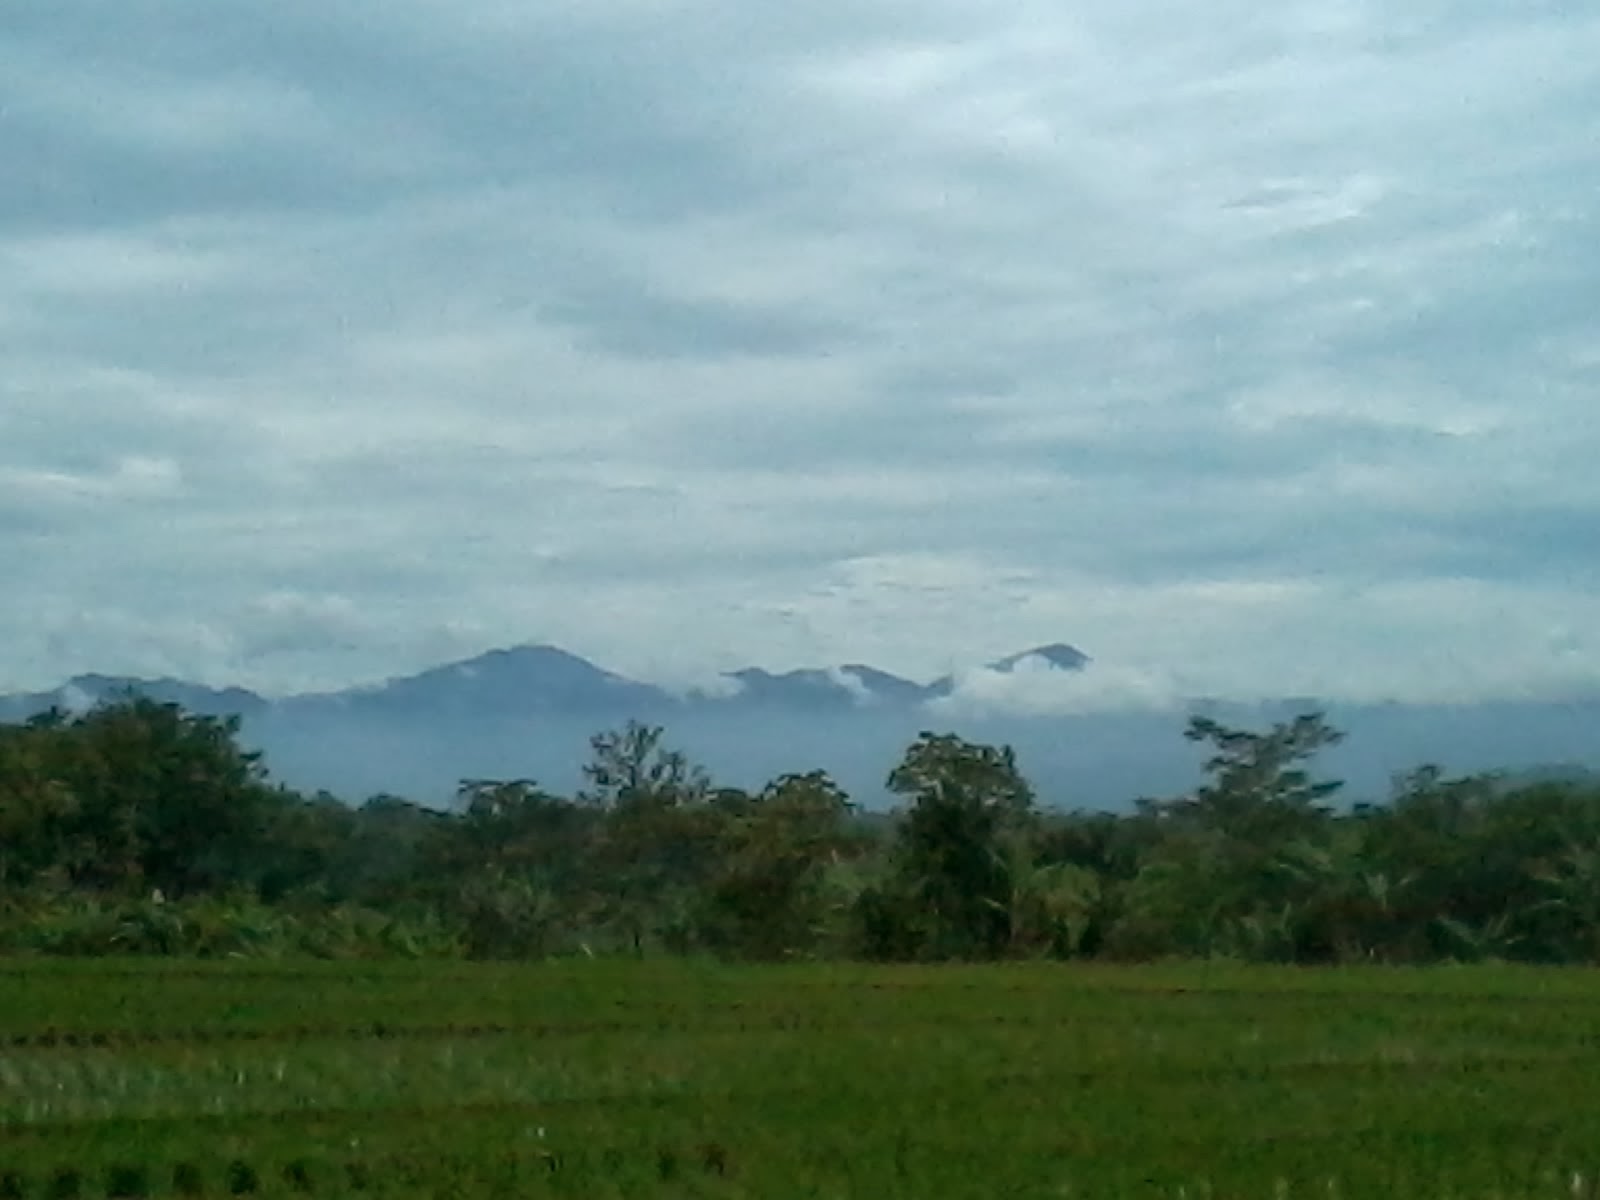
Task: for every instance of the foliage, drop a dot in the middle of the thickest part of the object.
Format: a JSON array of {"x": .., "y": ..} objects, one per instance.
[
  {"x": 768, "y": 894},
  {"x": 964, "y": 843},
  {"x": 132, "y": 794},
  {"x": 137, "y": 828},
  {"x": 206, "y": 927}
]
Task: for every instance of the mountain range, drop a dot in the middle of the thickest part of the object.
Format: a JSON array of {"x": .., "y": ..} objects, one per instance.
[
  {"x": 533, "y": 679},
  {"x": 529, "y": 711}
]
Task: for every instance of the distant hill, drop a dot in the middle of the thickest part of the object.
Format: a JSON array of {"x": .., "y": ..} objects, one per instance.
[
  {"x": 542, "y": 679},
  {"x": 1559, "y": 773},
  {"x": 528, "y": 711},
  {"x": 85, "y": 691},
  {"x": 520, "y": 680}
]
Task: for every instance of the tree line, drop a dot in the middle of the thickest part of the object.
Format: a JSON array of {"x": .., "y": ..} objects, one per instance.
[{"x": 137, "y": 827}]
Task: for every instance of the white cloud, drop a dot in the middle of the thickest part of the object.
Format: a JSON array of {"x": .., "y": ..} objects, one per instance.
[
  {"x": 1035, "y": 688},
  {"x": 1248, "y": 347},
  {"x": 89, "y": 265},
  {"x": 127, "y": 479},
  {"x": 75, "y": 700}
]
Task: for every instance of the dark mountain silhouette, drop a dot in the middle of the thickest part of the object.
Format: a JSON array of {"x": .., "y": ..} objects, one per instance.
[
  {"x": 85, "y": 691},
  {"x": 518, "y": 681},
  {"x": 528, "y": 711},
  {"x": 1057, "y": 655},
  {"x": 540, "y": 679},
  {"x": 814, "y": 688}
]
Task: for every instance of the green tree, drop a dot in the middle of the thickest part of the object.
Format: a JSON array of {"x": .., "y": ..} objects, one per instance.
[
  {"x": 397, "y": 853},
  {"x": 1217, "y": 879},
  {"x": 631, "y": 769},
  {"x": 38, "y": 809},
  {"x": 769, "y": 891},
  {"x": 656, "y": 845},
  {"x": 518, "y": 827},
  {"x": 955, "y": 848},
  {"x": 1258, "y": 789},
  {"x": 160, "y": 799},
  {"x": 511, "y": 867},
  {"x": 303, "y": 843},
  {"x": 1431, "y": 843},
  {"x": 1104, "y": 847}
]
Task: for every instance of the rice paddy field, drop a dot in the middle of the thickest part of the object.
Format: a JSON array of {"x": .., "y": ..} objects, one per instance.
[{"x": 595, "y": 1079}]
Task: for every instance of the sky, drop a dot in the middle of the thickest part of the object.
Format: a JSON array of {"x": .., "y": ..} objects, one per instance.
[{"x": 1250, "y": 348}]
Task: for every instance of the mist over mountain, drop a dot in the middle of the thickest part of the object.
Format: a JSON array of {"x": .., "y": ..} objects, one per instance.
[{"x": 1087, "y": 735}]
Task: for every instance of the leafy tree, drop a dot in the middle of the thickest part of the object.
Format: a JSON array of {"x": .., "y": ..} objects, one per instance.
[
  {"x": 769, "y": 890},
  {"x": 1257, "y": 790},
  {"x": 955, "y": 849},
  {"x": 1538, "y": 851},
  {"x": 509, "y": 916},
  {"x": 143, "y": 795},
  {"x": 38, "y": 810},
  {"x": 1215, "y": 881},
  {"x": 517, "y": 827},
  {"x": 1344, "y": 907},
  {"x": 510, "y": 867},
  {"x": 398, "y": 853},
  {"x": 1053, "y": 907},
  {"x": 1430, "y": 843},
  {"x": 631, "y": 769},
  {"x": 1570, "y": 882},
  {"x": 655, "y": 848},
  {"x": 303, "y": 844},
  {"x": 139, "y": 828},
  {"x": 1104, "y": 847}
]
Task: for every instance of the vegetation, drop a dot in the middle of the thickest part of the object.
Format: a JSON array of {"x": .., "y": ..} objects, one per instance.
[
  {"x": 138, "y": 828},
  {"x": 670, "y": 1078},
  {"x": 641, "y": 1056}
]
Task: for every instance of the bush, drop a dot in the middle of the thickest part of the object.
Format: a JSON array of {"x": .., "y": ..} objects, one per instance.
[{"x": 71, "y": 924}]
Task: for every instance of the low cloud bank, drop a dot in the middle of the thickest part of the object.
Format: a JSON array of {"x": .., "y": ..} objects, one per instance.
[{"x": 1034, "y": 687}]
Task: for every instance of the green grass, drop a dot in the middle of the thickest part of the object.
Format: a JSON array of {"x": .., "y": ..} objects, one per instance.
[{"x": 675, "y": 1079}]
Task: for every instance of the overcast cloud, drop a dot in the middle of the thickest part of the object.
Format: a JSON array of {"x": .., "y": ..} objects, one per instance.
[{"x": 1251, "y": 348}]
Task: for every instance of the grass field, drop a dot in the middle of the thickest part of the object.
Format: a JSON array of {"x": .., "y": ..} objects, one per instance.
[{"x": 602, "y": 1079}]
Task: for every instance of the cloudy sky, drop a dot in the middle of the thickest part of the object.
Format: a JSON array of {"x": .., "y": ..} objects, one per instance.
[{"x": 1252, "y": 346}]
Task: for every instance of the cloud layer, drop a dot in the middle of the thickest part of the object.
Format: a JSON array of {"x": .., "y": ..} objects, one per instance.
[{"x": 1250, "y": 346}]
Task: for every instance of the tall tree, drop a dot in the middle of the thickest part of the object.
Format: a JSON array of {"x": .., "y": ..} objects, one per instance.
[
  {"x": 162, "y": 799},
  {"x": 956, "y": 850},
  {"x": 1216, "y": 880},
  {"x": 631, "y": 768},
  {"x": 656, "y": 845},
  {"x": 768, "y": 889},
  {"x": 1258, "y": 788},
  {"x": 38, "y": 809}
]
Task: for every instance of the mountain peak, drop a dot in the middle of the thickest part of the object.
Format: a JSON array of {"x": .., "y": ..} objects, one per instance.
[
  {"x": 1057, "y": 654},
  {"x": 536, "y": 677},
  {"x": 845, "y": 687},
  {"x": 511, "y": 680},
  {"x": 530, "y": 656}
]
